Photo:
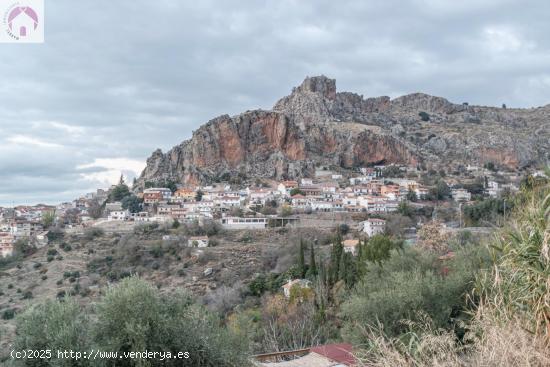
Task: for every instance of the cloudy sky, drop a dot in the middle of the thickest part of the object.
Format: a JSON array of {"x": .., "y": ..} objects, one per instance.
[{"x": 117, "y": 79}]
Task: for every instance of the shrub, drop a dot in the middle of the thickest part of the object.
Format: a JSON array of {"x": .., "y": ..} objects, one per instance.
[
  {"x": 147, "y": 228},
  {"x": 8, "y": 314},
  {"x": 93, "y": 232},
  {"x": 52, "y": 324},
  {"x": 424, "y": 116},
  {"x": 52, "y": 252},
  {"x": 518, "y": 286},
  {"x": 410, "y": 284},
  {"x": 153, "y": 322}
]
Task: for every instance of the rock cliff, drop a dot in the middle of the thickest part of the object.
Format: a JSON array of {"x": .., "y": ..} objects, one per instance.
[{"x": 316, "y": 125}]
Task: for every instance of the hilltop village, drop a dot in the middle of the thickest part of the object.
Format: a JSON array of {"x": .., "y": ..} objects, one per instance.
[{"x": 366, "y": 198}]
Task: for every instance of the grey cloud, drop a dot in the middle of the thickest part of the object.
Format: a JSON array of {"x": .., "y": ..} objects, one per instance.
[{"x": 131, "y": 76}]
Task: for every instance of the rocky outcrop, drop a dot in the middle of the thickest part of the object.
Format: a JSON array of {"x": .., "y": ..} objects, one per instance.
[{"x": 316, "y": 125}]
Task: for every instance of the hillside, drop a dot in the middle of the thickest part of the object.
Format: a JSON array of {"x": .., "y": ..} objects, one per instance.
[{"x": 316, "y": 125}]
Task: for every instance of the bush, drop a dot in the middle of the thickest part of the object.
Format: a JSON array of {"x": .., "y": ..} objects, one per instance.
[
  {"x": 52, "y": 252},
  {"x": 488, "y": 210},
  {"x": 424, "y": 116},
  {"x": 154, "y": 322},
  {"x": 409, "y": 285},
  {"x": 144, "y": 229},
  {"x": 8, "y": 314},
  {"x": 93, "y": 232}
]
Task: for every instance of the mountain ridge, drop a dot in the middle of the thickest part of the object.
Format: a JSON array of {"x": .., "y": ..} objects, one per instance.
[{"x": 316, "y": 125}]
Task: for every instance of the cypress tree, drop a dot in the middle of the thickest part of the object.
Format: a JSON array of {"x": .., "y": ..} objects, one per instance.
[
  {"x": 312, "y": 269},
  {"x": 301, "y": 259},
  {"x": 335, "y": 258}
]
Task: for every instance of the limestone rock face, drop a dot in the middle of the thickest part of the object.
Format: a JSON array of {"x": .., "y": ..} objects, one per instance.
[{"x": 316, "y": 125}]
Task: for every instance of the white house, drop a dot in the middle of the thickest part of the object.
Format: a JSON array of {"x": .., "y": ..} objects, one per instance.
[
  {"x": 374, "y": 226},
  {"x": 351, "y": 246},
  {"x": 285, "y": 187},
  {"x": 118, "y": 215},
  {"x": 6, "y": 244},
  {"x": 244, "y": 223},
  {"x": 493, "y": 189},
  {"x": 42, "y": 239},
  {"x": 198, "y": 241},
  {"x": 21, "y": 229},
  {"x": 461, "y": 195},
  {"x": 302, "y": 283}
]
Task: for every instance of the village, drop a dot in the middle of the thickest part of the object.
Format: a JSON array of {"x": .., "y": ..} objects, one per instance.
[{"x": 372, "y": 192}]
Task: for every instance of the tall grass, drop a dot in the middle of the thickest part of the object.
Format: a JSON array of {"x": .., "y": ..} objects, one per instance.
[
  {"x": 511, "y": 317},
  {"x": 519, "y": 285}
]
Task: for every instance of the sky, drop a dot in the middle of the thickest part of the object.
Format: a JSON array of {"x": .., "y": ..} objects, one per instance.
[{"x": 116, "y": 80}]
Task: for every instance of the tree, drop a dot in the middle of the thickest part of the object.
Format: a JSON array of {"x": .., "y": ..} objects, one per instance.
[
  {"x": 119, "y": 192},
  {"x": 379, "y": 247},
  {"x": 441, "y": 191},
  {"x": 405, "y": 209},
  {"x": 296, "y": 191},
  {"x": 23, "y": 247},
  {"x": 335, "y": 258},
  {"x": 53, "y": 325},
  {"x": 95, "y": 208},
  {"x": 312, "y": 269},
  {"x": 199, "y": 195},
  {"x": 301, "y": 259},
  {"x": 411, "y": 196},
  {"x": 132, "y": 317},
  {"x": 48, "y": 219},
  {"x": 286, "y": 210},
  {"x": 132, "y": 203},
  {"x": 291, "y": 325},
  {"x": 175, "y": 224}
]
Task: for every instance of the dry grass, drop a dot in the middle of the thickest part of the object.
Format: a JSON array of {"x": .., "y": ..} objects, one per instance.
[{"x": 489, "y": 343}]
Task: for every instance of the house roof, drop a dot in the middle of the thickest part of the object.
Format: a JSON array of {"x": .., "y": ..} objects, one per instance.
[
  {"x": 341, "y": 353},
  {"x": 330, "y": 355},
  {"x": 350, "y": 243},
  {"x": 376, "y": 220}
]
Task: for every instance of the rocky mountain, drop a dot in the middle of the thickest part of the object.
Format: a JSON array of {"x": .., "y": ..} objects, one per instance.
[{"x": 316, "y": 125}]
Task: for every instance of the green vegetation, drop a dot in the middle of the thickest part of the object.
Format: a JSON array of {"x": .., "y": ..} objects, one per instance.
[
  {"x": 505, "y": 322},
  {"x": 296, "y": 191},
  {"x": 424, "y": 116},
  {"x": 132, "y": 316},
  {"x": 132, "y": 203},
  {"x": 441, "y": 191},
  {"x": 48, "y": 219},
  {"x": 486, "y": 211}
]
